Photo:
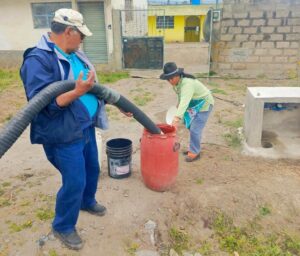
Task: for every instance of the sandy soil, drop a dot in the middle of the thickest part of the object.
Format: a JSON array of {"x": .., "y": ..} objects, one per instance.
[{"x": 230, "y": 182}]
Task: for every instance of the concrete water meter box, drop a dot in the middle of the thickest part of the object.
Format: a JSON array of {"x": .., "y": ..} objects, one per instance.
[{"x": 272, "y": 122}]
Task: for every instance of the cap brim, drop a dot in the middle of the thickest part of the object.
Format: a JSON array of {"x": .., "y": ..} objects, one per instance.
[{"x": 84, "y": 30}]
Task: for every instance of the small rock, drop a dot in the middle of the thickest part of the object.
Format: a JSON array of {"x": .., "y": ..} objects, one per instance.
[
  {"x": 236, "y": 254},
  {"x": 197, "y": 254},
  {"x": 150, "y": 225}
]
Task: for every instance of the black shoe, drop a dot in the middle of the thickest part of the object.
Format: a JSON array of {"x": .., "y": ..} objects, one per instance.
[
  {"x": 71, "y": 240},
  {"x": 96, "y": 209}
]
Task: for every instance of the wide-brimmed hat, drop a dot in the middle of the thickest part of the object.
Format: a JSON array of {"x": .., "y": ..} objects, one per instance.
[
  {"x": 72, "y": 18},
  {"x": 170, "y": 70}
]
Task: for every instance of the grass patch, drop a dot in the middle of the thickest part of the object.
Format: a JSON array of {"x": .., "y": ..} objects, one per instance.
[
  {"x": 17, "y": 228},
  {"x": 6, "y": 184},
  {"x": 44, "y": 214},
  {"x": 179, "y": 240},
  {"x": 4, "y": 202},
  {"x": 235, "y": 123},
  {"x": 247, "y": 242},
  {"x": 218, "y": 91},
  {"x": 143, "y": 99},
  {"x": 205, "y": 249},
  {"x": 212, "y": 83},
  {"x": 8, "y": 78},
  {"x": 232, "y": 139},
  {"x": 264, "y": 210},
  {"x": 111, "y": 77}
]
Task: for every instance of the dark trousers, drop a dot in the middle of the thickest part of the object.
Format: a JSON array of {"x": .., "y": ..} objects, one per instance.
[{"x": 79, "y": 168}]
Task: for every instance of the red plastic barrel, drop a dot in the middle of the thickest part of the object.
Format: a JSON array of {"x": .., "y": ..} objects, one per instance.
[{"x": 159, "y": 158}]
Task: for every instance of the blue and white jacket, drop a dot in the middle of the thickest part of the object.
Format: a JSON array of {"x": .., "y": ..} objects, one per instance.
[{"x": 43, "y": 65}]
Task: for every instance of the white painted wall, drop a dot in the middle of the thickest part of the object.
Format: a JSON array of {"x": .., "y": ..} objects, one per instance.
[{"x": 16, "y": 26}]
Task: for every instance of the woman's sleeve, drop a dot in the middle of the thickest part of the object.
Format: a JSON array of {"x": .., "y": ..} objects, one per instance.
[{"x": 186, "y": 94}]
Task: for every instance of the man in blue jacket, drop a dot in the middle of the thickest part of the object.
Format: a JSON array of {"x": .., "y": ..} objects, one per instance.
[{"x": 66, "y": 127}]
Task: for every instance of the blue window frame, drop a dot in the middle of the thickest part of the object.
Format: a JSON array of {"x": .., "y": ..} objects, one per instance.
[{"x": 42, "y": 13}]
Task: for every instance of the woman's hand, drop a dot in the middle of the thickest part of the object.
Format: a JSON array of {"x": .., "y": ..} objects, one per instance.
[{"x": 175, "y": 122}]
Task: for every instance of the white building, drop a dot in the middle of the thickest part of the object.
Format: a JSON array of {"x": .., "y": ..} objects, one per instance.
[{"x": 22, "y": 22}]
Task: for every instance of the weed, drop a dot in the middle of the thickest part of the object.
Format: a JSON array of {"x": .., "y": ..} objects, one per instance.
[
  {"x": 6, "y": 184},
  {"x": 44, "y": 214},
  {"x": 132, "y": 248},
  {"x": 4, "y": 202},
  {"x": 199, "y": 181},
  {"x": 52, "y": 252},
  {"x": 292, "y": 74},
  {"x": 179, "y": 240},
  {"x": 109, "y": 77},
  {"x": 232, "y": 139},
  {"x": 264, "y": 210},
  {"x": 142, "y": 100},
  {"x": 205, "y": 249},
  {"x": 17, "y": 228}
]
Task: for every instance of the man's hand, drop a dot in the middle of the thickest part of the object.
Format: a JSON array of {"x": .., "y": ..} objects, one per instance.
[{"x": 81, "y": 86}]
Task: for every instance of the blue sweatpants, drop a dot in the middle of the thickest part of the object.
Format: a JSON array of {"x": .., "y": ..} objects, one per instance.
[
  {"x": 196, "y": 130},
  {"x": 79, "y": 167}
]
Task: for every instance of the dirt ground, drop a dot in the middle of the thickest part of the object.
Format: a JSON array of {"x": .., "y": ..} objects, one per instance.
[{"x": 224, "y": 180}]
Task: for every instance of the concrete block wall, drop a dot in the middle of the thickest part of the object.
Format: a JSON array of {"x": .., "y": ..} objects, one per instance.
[{"x": 258, "y": 38}]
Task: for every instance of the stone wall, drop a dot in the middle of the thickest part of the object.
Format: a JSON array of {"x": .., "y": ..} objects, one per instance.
[{"x": 258, "y": 38}]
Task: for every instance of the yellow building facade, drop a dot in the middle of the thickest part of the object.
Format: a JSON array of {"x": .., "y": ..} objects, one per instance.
[{"x": 177, "y": 23}]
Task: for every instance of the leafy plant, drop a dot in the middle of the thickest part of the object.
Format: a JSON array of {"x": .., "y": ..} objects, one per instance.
[
  {"x": 17, "y": 228},
  {"x": 132, "y": 248},
  {"x": 233, "y": 139},
  {"x": 179, "y": 240},
  {"x": 264, "y": 210},
  {"x": 44, "y": 214}
]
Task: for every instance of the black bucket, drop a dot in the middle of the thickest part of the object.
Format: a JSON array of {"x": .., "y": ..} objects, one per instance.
[{"x": 118, "y": 153}]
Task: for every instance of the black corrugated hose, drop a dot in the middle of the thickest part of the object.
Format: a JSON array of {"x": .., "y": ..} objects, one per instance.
[{"x": 15, "y": 127}]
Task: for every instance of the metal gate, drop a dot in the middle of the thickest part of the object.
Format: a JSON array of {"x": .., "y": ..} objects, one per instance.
[
  {"x": 95, "y": 46},
  {"x": 140, "y": 50}
]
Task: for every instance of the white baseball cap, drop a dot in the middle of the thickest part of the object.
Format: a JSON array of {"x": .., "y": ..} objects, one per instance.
[{"x": 72, "y": 18}]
